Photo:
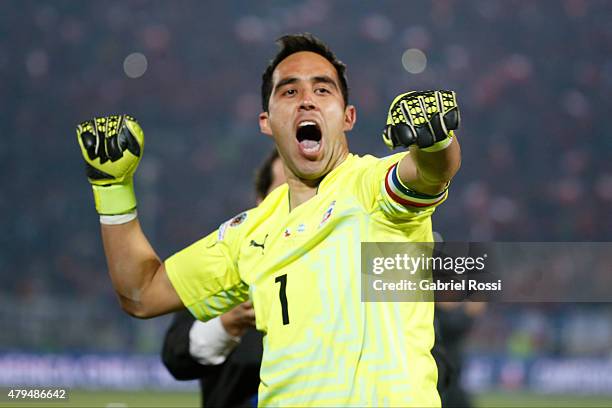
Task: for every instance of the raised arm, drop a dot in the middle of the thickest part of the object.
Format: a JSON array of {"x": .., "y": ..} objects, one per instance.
[
  {"x": 137, "y": 274},
  {"x": 112, "y": 147},
  {"x": 424, "y": 122}
]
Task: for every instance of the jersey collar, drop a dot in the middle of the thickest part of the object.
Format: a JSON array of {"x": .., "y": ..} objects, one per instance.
[{"x": 332, "y": 175}]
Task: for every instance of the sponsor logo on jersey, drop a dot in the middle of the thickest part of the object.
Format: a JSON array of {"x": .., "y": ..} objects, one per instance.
[{"x": 261, "y": 245}]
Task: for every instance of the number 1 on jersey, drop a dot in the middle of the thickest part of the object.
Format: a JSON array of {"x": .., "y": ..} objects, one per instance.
[{"x": 282, "y": 294}]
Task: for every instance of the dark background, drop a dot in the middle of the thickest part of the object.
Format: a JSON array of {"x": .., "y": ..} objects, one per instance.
[{"x": 534, "y": 80}]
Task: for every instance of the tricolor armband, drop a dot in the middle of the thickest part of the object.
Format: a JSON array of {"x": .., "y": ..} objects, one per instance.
[{"x": 406, "y": 196}]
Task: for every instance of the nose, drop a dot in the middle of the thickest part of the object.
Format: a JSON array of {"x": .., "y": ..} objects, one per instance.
[{"x": 307, "y": 102}]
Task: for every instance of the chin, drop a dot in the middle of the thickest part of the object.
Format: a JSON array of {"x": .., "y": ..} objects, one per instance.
[{"x": 310, "y": 170}]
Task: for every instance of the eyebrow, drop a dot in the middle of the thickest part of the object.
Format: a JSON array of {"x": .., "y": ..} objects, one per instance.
[{"x": 326, "y": 79}]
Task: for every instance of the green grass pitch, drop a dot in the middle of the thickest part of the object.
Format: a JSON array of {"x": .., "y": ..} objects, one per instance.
[{"x": 154, "y": 399}]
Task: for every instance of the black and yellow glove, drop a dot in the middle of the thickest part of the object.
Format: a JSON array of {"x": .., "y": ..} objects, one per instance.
[
  {"x": 424, "y": 118},
  {"x": 112, "y": 147}
]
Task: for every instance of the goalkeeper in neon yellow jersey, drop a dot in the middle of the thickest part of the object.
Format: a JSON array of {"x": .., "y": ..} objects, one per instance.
[{"x": 297, "y": 255}]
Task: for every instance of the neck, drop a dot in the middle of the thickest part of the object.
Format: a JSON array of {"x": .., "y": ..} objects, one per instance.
[{"x": 302, "y": 190}]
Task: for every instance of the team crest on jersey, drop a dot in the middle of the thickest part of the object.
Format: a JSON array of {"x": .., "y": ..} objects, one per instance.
[
  {"x": 301, "y": 228},
  {"x": 232, "y": 222},
  {"x": 328, "y": 213},
  {"x": 237, "y": 220},
  {"x": 287, "y": 233}
]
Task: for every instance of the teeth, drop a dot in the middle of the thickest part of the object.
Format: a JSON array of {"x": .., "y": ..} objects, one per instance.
[{"x": 307, "y": 123}]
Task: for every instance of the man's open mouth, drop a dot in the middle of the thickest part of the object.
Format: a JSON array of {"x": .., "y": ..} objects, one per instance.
[{"x": 309, "y": 136}]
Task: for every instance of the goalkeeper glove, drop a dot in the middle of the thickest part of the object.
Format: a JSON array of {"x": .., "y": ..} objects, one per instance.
[
  {"x": 424, "y": 118},
  {"x": 112, "y": 147}
]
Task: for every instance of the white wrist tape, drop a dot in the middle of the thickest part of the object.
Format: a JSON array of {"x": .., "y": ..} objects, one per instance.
[
  {"x": 209, "y": 343},
  {"x": 118, "y": 219}
]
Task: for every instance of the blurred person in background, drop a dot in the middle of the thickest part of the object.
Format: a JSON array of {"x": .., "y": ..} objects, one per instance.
[
  {"x": 225, "y": 352},
  {"x": 453, "y": 321},
  {"x": 455, "y": 313}
]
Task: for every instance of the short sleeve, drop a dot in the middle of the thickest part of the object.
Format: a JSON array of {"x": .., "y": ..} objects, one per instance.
[
  {"x": 387, "y": 192},
  {"x": 205, "y": 274}
]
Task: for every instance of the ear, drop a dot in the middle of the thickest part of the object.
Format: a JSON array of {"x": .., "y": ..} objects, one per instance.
[
  {"x": 350, "y": 116},
  {"x": 264, "y": 123}
]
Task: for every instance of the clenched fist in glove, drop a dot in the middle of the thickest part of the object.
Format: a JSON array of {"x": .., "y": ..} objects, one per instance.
[
  {"x": 112, "y": 147},
  {"x": 424, "y": 118}
]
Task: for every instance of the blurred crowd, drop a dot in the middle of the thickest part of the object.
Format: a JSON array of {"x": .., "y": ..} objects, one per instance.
[{"x": 534, "y": 80}]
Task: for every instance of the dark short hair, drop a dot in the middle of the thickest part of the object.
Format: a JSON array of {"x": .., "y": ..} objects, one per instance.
[
  {"x": 263, "y": 175},
  {"x": 290, "y": 44}
]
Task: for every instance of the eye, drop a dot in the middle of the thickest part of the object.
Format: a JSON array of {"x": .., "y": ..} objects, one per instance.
[
  {"x": 290, "y": 92},
  {"x": 322, "y": 90}
]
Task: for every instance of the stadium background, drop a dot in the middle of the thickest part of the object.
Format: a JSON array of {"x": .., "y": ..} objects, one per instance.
[{"x": 534, "y": 80}]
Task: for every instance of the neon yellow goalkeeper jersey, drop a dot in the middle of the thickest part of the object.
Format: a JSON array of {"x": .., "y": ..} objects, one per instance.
[{"x": 301, "y": 268}]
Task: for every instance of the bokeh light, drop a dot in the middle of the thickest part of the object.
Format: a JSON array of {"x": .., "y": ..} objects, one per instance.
[
  {"x": 414, "y": 60},
  {"x": 135, "y": 65}
]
